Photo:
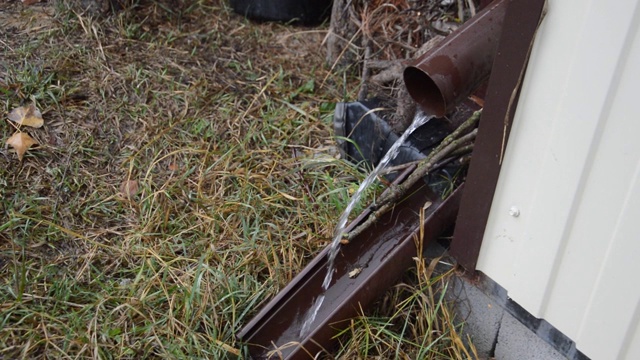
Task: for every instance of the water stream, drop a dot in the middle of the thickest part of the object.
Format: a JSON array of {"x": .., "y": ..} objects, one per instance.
[{"x": 419, "y": 120}]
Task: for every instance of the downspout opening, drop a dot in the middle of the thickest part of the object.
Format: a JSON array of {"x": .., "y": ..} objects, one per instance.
[{"x": 424, "y": 91}]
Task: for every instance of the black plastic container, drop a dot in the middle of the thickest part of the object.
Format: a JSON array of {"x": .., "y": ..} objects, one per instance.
[{"x": 305, "y": 12}]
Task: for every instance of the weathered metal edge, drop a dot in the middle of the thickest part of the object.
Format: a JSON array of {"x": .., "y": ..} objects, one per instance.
[{"x": 518, "y": 32}]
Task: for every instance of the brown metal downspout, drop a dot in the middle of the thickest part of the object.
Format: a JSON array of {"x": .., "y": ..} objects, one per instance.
[
  {"x": 520, "y": 24},
  {"x": 448, "y": 73}
]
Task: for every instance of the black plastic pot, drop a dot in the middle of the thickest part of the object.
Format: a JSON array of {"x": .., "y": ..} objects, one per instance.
[{"x": 306, "y": 12}]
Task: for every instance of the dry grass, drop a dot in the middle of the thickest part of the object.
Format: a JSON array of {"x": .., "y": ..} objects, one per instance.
[
  {"x": 413, "y": 320},
  {"x": 222, "y": 125}
]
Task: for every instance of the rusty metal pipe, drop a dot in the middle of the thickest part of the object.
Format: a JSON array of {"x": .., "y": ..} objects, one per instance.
[{"x": 453, "y": 69}]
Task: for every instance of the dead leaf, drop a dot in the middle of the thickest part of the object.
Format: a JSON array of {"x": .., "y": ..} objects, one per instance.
[
  {"x": 129, "y": 188},
  {"x": 21, "y": 142},
  {"x": 27, "y": 116},
  {"x": 30, "y": 2}
]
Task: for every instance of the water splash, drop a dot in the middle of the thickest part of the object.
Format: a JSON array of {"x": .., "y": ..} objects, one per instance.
[
  {"x": 311, "y": 316},
  {"x": 419, "y": 120}
]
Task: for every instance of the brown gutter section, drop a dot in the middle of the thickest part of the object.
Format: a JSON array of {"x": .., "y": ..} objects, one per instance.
[
  {"x": 448, "y": 73},
  {"x": 382, "y": 253},
  {"x": 520, "y": 24}
]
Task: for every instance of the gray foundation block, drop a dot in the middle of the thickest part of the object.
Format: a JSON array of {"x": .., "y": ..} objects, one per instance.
[
  {"x": 516, "y": 342},
  {"x": 489, "y": 322},
  {"x": 480, "y": 314}
]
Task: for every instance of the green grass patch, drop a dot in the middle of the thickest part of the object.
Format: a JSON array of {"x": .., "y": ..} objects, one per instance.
[{"x": 226, "y": 132}]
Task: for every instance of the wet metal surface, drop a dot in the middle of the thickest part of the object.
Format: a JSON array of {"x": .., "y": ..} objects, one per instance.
[
  {"x": 453, "y": 69},
  {"x": 365, "y": 269}
]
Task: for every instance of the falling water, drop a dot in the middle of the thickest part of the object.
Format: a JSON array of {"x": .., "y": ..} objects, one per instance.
[{"x": 419, "y": 120}]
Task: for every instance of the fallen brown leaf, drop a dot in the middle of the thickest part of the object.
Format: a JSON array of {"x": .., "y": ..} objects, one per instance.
[
  {"x": 30, "y": 2},
  {"x": 129, "y": 188},
  {"x": 27, "y": 116},
  {"x": 21, "y": 142}
]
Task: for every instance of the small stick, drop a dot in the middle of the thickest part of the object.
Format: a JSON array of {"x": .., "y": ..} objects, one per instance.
[
  {"x": 400, "y": 167},
  {"x": 463, "y": 150},
  {"x": 364, "y": 86}
]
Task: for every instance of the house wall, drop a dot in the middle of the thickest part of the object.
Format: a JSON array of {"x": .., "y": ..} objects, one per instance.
[{"x": 563, "y": 236}]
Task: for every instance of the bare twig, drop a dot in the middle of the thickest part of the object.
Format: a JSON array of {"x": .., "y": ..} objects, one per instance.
[
  {"x": 364, "y": 87},
  {"x": 456, "y": 154}
]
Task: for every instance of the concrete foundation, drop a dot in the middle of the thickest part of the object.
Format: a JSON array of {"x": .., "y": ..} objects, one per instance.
[{"x": 501, "y": 329}]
